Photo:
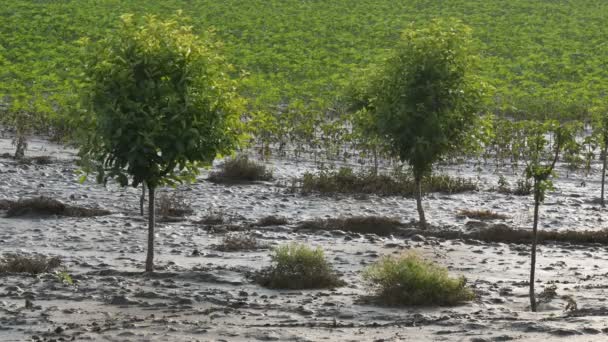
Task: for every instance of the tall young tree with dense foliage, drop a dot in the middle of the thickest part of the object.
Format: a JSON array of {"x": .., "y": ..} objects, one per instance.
[
  {"x": 426, "y": 98},
  {"x": 159, "y": 104}
]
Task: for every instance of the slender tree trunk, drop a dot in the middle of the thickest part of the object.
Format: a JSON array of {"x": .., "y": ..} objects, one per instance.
[
  {"x": 419, "y": 202},
  {"x": 604, "y": 157},
  {"x": 534, "y": 242},
  {"x": 151, "y": 219},
  {"x": 142, "y": 199},
  {"x": 375, "y": 161},
  {"x": 21, "y": 146}
]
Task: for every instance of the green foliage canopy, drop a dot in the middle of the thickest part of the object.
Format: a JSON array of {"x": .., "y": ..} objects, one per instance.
[
  {"x": 427, "y": 97},
  {"x": 159, "y": 103}
]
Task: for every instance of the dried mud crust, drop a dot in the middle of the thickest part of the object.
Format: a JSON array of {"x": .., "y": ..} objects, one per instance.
[{"x": 210, "y": 295}]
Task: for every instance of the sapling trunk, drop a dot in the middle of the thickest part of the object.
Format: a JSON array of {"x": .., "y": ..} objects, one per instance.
[
  {"x": 604, "y": 157},
  {"x": 419, "y": 202},
  {"x": 534, "y": 242},
  {"x": 151, "y": 223},
  {"x": 21, "y": 146},
  {"x": 142, "y": 199}
]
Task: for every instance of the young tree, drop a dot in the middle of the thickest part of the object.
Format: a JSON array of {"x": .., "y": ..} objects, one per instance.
[
  {"x": 544, "y": 143},
  {"x": 599, "y": 122},
  {"x": 159, "y": 104},
  {"x": 426, "y": 98}
]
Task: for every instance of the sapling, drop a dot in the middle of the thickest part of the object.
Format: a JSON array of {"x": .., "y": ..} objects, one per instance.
[
  {"x": 425, "y": 100},
  {"x": 545, "y": 141},
  {"x": 159, "y": 105}
]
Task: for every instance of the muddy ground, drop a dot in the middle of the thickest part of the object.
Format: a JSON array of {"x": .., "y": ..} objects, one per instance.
[{"x": 201, "y": 294}]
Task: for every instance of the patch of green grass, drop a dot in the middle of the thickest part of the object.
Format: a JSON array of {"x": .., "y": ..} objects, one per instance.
[
  {"x": 240, "y": 169},
  {"x": 358, "y": 224},
  {"x": 482, "y": 215},
  {"x": 410, "y": 280},
  {"x": 297, "y": 266},
  {"x": 33, "y": 264},
  {"x": 347, "y": 181}
]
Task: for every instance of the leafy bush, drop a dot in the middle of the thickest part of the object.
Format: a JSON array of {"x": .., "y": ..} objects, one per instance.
[
  {"x": 34, "y": 264},
  {"x": 347, "y": 181},
  {"x": 297, "y": 266},
  {"x": 240, "y": 169},
  {"x": 411, "y": 280},
  {"x": 358, "y": 224}
]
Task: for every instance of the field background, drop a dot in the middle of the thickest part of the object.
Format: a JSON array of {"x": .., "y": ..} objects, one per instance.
[{"x": 304, "y": 53}]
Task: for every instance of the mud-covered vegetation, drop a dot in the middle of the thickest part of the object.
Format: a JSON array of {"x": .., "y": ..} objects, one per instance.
[
  {"x": 45, "y": 206},
  {"x": 240, "y": 169},
  {"x": 360, "y": 224},
  {"x": 33, "y": 264}
]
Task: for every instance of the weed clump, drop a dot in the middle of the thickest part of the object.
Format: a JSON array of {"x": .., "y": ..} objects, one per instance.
[
  {"x": 482, "y": 215},
  {"x": 33, "y": 264},
  {"x": 45, "y": 206},
  {"x": 347, "y": 181},
  {"x": 172, "y": 205},
  {"x": 271, "y": 220},
  {"x": 411, "y": 280},
  {"x": 239, "y": 242},
  {"x": 240, "y": 169},
  {"x": 358, "y": 224},
  {"x": 297, "y": 266},
  {"x": 523, "y": 187}
]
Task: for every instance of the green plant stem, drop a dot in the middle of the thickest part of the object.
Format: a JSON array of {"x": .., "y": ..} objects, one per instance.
[{"x": 537, "y": 197}]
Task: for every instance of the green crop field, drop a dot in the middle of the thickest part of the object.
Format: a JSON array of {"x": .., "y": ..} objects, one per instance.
[{"x": 305, "y": 52}]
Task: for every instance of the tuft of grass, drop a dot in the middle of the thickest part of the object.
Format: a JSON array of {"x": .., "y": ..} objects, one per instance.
[
  {"x": 358, "y": 224},
  {"x": 482, "y": 215},
  {"x": 347, "y": 181},
  {"x": 240, "y": 169},
  {"x": 271, "y": 220},
  {"x": 297, "y": 266},
  {"x": 410, "y": 280},
  {"x": 45, "y": 206},
  {"x": 239, "y": 242},
  {"x": 33, "y": 264},
  {"x": 172, "y": 205}
]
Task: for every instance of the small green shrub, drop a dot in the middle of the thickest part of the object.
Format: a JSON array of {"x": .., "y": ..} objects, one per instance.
[
  {"x": 358, "y": 224},
  {"x": 297, "y": 266},
  {"x": 411, "y": 280},
  {"x": 64, "y": 277},
  {"x": 240, "y": 169},
  {"x": 482, "y": 215},
  {"x": 34, "y": 264},
  {"x": 347, "y": 181}
]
